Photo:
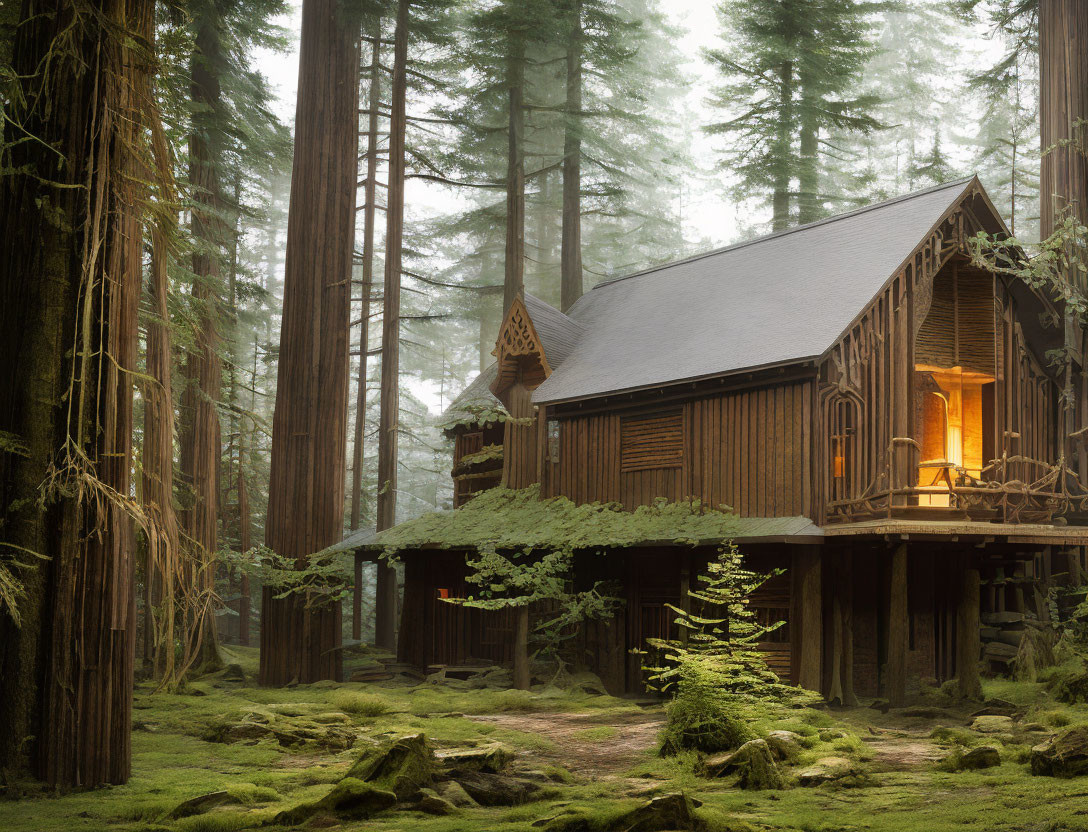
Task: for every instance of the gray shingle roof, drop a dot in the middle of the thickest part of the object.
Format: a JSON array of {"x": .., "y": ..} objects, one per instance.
[
  {"x": 558, "y": 334},
  {"x": 779, "y": 299}
]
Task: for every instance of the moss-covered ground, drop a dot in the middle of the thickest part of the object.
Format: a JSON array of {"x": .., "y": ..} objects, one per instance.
[{"x": 594, "y": 754}]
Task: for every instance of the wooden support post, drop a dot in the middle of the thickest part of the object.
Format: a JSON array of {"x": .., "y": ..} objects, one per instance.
[
  {"x": 385, "y": 608},
  {"x": 357, "y": 600},
  {"x": 807, "y": 583},
  {"x": 846, "y": 587},
  {"x": 898, "y": 611},
  {"x": 521, "y": 648},
  {"x": 967, "y": 636}
]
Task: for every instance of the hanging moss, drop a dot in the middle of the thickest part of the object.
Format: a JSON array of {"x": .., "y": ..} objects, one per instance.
[
  {"x": 479, "y": 413},
  {"x": 503, "y": 518},
  {"x": 485, "y": 454}
]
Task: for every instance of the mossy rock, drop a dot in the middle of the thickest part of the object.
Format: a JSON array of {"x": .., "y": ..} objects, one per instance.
[
  {"x": 350, "y": 799},
  {"x": 831, "y": 770},
  {"x": 785, "y": 745},
  {"x": 313, "y": 735},
  {"x": 993, "y": 724},
  {"x": 667, "y": 812},
  {"x": 754, "y": 764},
  {"x": 1063, "y": 755},
  {"x": 455, "y": 793},
  {"x": 974, "y": 759},
  {"x": 492, "y": 758},
  {"x": 228, "y": 732},
  {"x": 432, "y": 803},
  {"x": 496, "y": 789},
  {"x": 404, "y": 766},
  {"x": 203, "y": 803}
]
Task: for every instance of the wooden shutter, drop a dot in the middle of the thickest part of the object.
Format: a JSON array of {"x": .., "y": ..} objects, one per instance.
[{"x": 654, "y": 441}]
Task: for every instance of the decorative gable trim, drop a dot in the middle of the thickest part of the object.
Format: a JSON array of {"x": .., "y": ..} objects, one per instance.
[{"x": 519, "y": 351}]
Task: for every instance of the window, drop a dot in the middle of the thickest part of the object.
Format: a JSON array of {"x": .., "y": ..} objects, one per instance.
[
  {"x": 553, "y": 441},
  {"x": 842, "y": 417},
  {"x": 653, "y": 441}
]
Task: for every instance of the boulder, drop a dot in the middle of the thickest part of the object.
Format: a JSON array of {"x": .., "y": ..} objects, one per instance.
[
  {"x": 233, "y": 673},
  {"x": 491, "y": 758},
  {"x": 228, "y": 732},
  {"x": 829, "y": 734},
  {"x": 350, "y": 799},
  {"x": 983, "y": 756},
  {"x": 404, "y": 767},
  {"x": 827, "y": 770},
  {"x": 960, "y": 759},
  {"x": 754, "y": 764},
  {"x": 785, "y": 745},
  {"x": 1063, "y": 755},
  {"x": 433, "y": 804},
  {"x": 455, "y": 793},
  {"x": 669, "y": 811},
  {"x": 992, "y": 724},
  {"x": 202, "y": 803},
  {"x": 298, "y": 735},
  {"x": 496, "y": 789}
]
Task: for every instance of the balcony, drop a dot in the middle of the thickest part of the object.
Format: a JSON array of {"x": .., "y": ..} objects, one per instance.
[{"x": 1012, "y": 489}]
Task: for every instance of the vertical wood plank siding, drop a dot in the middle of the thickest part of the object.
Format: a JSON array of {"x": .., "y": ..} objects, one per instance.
[{"x": 745, "y": 449}]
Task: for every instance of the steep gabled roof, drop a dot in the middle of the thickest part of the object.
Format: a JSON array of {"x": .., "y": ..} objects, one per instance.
[
  {"x": 776, "y": 300},
  {"x": 558, "y": 335}
]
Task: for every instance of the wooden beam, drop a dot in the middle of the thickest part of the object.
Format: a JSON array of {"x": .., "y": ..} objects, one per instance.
[
  {"x": 898, "y": 611},
  {"x": 968, "y": 685},
  {"x": 807, "y": 562}
]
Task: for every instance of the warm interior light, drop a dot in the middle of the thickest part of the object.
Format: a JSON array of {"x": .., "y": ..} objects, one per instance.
[{"x": 951, "y": 427}]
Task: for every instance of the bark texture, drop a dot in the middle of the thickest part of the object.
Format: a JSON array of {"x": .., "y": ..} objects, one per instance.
[
  {"x": 515, "y": 172},
  {"x": 386, "y": 599},
  {"x": 571, "y": 256},
  {"x": 300, "y": 635},
  {"x": 70, "y": 258}
]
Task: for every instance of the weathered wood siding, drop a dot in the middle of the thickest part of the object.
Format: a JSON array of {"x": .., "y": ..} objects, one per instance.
[{"x": 748, "y": 449}]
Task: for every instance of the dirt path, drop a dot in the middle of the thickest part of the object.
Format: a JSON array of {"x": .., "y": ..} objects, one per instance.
[{"x": 584, "y": 754}]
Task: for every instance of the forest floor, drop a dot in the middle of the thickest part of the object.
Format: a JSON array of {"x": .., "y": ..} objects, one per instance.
[{"x": 246, "y": 754}]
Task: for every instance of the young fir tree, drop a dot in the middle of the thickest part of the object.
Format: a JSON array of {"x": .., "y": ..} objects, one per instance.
[{"x": 789, "y": 75}]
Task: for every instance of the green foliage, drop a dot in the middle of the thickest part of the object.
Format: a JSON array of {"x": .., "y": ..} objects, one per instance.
[
  {"x": 503, "y": 519},
  {"x": 719, "y": 635},
  {"x": 704, "y": 716},
  {"x": 362, "y": 704}
]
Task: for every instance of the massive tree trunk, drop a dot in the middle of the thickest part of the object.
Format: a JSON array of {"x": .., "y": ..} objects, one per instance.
[
  {"x": 158, "y": 447},
  {"x": 515, "y": 171},
  {"x": 386, "y": 599},
  {"x": 1063, "y": 180},
  {"x": 70, "y": 258},
  {"x": 370, "y": 192},
  {"x": 301, "y": 633},
  {"x": 571, "y": 257},
  {"x": 200, "y": 437}
]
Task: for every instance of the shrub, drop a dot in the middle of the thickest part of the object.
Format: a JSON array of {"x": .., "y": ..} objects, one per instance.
[
  {"x": 703, "y": 716},
  {"x": 363, "y": 704}
]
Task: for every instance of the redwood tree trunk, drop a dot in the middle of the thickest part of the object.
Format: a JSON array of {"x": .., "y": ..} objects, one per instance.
[
  {"x": 370, "y": 192},
  {"x": 68, "y": 298},
  {"x": 571, "y": 257},
  {"x": 300, "y": 636},
  {"x": 200, "y": 437},
  {"x": 515, "y": 172},
  {"x": 386, "y": 598},
  {"x": 780, "y": 199},
  {"x": 1063, "y": 180}
]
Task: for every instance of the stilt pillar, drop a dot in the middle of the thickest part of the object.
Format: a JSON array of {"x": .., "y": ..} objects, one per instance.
[
  {"x": 967, "y": 636},
  {"x": 898, "y": 632},
  {"x": 808, "y": 589},
  {"x": 357, "y": 600},
  {"x": 385, "y": 608},
  {"x": 521, "y": 648}
]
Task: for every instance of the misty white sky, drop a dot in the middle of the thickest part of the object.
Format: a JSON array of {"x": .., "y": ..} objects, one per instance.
[{"x": 707, "y": 215}]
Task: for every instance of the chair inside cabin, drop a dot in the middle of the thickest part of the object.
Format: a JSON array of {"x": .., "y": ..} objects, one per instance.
[{"x": 955, "y": 383}]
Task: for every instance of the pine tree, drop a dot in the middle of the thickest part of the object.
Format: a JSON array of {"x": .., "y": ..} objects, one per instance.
[{"x": 788, "y": 76}]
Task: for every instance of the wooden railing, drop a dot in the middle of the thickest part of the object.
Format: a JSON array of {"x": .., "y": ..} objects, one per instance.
[{"x": 1011, "y": 489}]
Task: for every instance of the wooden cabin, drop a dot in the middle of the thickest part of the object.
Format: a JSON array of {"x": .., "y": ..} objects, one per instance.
[{"x": 879, "y": 412}]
